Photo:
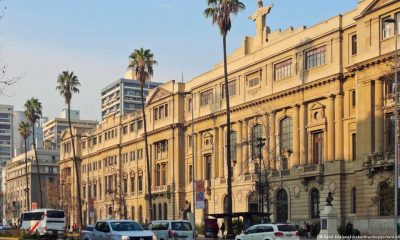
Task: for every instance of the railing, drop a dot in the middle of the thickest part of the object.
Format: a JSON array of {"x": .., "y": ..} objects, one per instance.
[
  {"x": 378, "y": 159},
  {"x": 312, "y": 170},
  {"x": 159, "y": 189}
]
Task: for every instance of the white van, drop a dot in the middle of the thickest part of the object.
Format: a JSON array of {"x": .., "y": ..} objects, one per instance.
[
  {"x": 171, "y": 229},
  {"x": 41, "y": 222}
]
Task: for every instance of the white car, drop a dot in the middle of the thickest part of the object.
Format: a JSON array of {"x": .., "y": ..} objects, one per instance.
[
  {"x": 270, "y": 232},
  {"x": 171, "y": 229},
  {"x": 120, "y": 230},
  {"x": 86, "y": 234}
]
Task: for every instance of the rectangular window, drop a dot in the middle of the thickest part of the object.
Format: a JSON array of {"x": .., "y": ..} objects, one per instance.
[
  {"x": 389, "y": 132},
  {"x": 208, "y": 166},
  {"x": 140, "y": 183},
  {"x": 132, "y": 184},
  {"x": 315, "y": 57},
  {"x": 161, "y": 112},
  {"x": 283, "y": 69},
  {"x": 318, "y": 147},
  {"x": 164, "y": 174},
  {"x": 140, "y": 124},
  {"x": 190, "y": 105},
  {"x": 161, "y": 149},
  {"x": 354, "y": 146},
  {"x": 99, "y": 138},
  {"x": 190, "y": 173},
  {"x": 132, "y": 126},
  {"x": 125, "y": 129},
  {"x": 254, "y": 82},
  {"x": 206, "y": 97},
  {"x": 354, "y": 44},
  {"x": 386, "y": 28},
  {"x": 231, "y": 89},
  {"x": 190, "y": 142},
  {"x": 353, "y": 98}
]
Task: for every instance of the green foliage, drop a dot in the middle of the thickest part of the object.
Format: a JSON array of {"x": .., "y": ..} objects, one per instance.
[
  {"x": 237, "y": 226},
  {"x": 200, "y": 229}
]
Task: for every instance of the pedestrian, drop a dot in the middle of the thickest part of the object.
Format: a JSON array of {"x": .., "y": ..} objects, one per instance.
[
  {"x": 349, "y": 230},
  {"x": 223, "y": 230},
  {"x": 308, "y": 230}
]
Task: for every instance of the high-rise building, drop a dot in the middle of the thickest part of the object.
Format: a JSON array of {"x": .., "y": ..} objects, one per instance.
[
  {"x": 6, "y": 132},
  {"x": 123, "y": 96},
  {"x": 53, "y": 128},
  {"x": 18, "y": 141},
  {"x": 74, "y": 114}
]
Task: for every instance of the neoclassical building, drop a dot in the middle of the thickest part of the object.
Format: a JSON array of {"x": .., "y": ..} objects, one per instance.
[{"x": 321, "y": 97}]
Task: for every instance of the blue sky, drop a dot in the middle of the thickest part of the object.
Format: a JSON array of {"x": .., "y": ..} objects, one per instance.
[{"x": 94, "y": 38}]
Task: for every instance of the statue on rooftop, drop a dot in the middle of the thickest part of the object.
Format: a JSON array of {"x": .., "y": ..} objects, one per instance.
[{"x": 259, "y": 17}]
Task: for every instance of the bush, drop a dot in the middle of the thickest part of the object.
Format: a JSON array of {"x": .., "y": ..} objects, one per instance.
[
  {"x": 237, "y": 225},
  {"x": 200, "y": 229}
]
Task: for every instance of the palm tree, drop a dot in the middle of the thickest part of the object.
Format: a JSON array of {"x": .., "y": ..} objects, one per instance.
[
  {"x": 33, "y": 112},
  {"x": 142, "y": 62},
  {"x": 220, "y": 12},
  {"x": 67, "y": 84},
  {"x": 23, "y": 129}
]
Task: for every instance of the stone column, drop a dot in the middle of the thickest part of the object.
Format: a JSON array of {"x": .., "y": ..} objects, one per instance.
[
  {"x": 199, "y": 158},
  {"x": 221, "y": 148},
  {"x": 216, "y": 153},
  {"x": 379, "y": 122},
  {"x": 296, "y": 137},
  {"x": 339, "y": 155},
  {"x": 245, "y": 152},
  {"x": 274, "y": 156},
  {"x": 239, "y": 149},
  {"x": 303, "y": 133},
  {"x": 331, "y": 129}
]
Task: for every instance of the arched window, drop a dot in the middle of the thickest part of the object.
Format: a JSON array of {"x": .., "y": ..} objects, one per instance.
[
  {"x": 253, "y": 202},
  {"x": 132, "y": 183},
  {"x": 353, "y": 200},
  {"x": 255, "y": 135},
  {"x": 140, "y": 214},
  {"x": 159, "y": 212},
  {"x": 286, "y": 134},
  {"x": 314, "y": 203},
  {"x": 282, "y": 206},
  {"x": 165, "y": 211}
]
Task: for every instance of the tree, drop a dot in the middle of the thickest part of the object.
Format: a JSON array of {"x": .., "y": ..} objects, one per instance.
[
  {"x": 33, "y": 112},
  {"x": 220, "y": 12},
  {"x": 23, "y": 129},
  {"x": 67, "y": 85},
  {"x": 142, "y": 62}
]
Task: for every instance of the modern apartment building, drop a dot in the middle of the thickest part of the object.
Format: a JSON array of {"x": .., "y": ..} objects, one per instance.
[
  {"x": 6, "y": 132},
  {"x": 18, "y": 141},
  {"x": 75, "y": 114},
  {"x": 15, "y": 183},
  {"x": 322, "y": 99},
  {"x": 123, "y": 96},
  {"x": 52, "y": 129}
]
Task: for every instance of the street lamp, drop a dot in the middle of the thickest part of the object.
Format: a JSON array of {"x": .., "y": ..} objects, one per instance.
[
  {"x": 260, "y": 145},
  {"x": 193, "y": 175},
  {"x": 396, "y": 116}
]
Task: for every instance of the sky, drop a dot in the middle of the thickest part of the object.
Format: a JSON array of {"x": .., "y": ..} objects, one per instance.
[{"x": 94, "y": 38}]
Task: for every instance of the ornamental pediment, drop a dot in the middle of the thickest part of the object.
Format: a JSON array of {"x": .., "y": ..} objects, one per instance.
[
  {"x": 375, "y": 5},
  {"x": 160, "y": 93}
]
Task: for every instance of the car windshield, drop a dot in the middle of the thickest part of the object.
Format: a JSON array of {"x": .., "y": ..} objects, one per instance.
[
  {"x": 181, "y": 226},
  {"x": 287, "y": 228},
  {"x": 125, "y": 226}
]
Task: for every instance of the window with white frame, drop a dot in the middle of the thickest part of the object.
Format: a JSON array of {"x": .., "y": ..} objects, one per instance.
[
  {"x": 386, "y": 28},
  {"x": 161, "y": 112},
  {"x": 315, "y": 57},
  {"x": 252, "y": 82},
  {"x": 161, "y": 149},
  {"x": 283, "y": 69}
]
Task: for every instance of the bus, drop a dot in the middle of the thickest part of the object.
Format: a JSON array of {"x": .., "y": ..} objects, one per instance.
[{"x": 43, "y": 222}]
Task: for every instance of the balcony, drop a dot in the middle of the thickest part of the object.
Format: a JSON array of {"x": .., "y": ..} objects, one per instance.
[
  {"x": 312, "y": 170},
  {"x": 161, "y": 189},
  {"x": 378, "y": 160}
]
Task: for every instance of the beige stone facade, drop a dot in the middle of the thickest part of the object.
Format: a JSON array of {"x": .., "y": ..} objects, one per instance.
[{"x": 320, "y": 96}]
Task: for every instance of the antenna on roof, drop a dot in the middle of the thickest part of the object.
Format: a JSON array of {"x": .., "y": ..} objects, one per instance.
[{"x": 182, "y": 77}]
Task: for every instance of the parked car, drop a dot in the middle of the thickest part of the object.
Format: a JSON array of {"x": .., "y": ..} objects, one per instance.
[
  {"x": 271, "y": 232},
  {"x": 171, "y": 229},
  {"x": 120, "y": 230},
  {"x": 86, "y": 234}
]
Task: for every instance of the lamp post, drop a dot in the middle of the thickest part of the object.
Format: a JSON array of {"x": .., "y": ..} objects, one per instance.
[
  {"x": 396, "y": 116},
  {"x": 193, "y": 175}
]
